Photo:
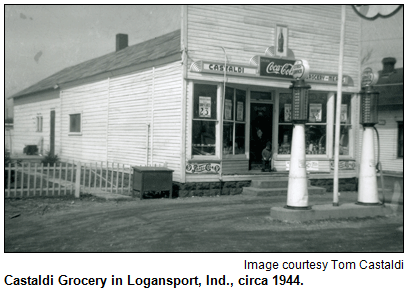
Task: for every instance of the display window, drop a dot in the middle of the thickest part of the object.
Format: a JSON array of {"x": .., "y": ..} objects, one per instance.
[
  {"x": 204, "y": 120},
  {"x": 345, "y": 127},
  {"x": 315, "y": 128},
  {"x": 234, "y": 122}
]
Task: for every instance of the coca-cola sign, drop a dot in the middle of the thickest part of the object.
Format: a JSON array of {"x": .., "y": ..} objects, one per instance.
[
  {"x": 300, "y": 69},
  {"x": 276, "y": 68}
]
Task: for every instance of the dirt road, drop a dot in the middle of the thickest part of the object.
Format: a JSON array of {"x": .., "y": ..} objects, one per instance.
[{"x": 198, "y": 224}]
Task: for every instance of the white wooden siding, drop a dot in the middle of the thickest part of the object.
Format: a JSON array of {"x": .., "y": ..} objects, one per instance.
[
  {"x": 151, "y": 96},
  {"x": 91, "y": 101},
  {"x": 247, "y": 30},
  {"x": 26, "y": 109},
  {"x": 129, "y": 113},
  {"x": 166, "y": 120}
]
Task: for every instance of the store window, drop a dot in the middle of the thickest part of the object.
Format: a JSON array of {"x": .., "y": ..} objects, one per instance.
[
  {"x": 75, "y": 123},
  {"x": 400, "y": 140},
  {"x": 315, "y": 128},
  {"x": 204, "y": 120},
  {"x": 234, "y": 122},
  {"x": 345, "y": 128}
]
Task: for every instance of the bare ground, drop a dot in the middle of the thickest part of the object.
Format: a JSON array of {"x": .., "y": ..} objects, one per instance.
[{"x": 199, "y": 224}]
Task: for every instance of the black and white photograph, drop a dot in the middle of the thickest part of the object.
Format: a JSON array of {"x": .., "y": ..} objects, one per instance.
[{"x": 267, "y": 140}]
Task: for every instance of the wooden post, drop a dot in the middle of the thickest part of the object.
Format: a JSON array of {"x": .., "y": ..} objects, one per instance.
[
  {"x": 35, "y": 179},
  {"x": 338, "y": 110},
  {"x": 96, "y": 173},
  {"x": 83, "y": 174},
  {"x": 112, "y": 178},
  {"x": 107, "y": 175},
  {"x": 66, "y": 177},
  {"x": 15, "y": 179},
  {"x": 101, "y": 175},
  {"x": 60, "y": 179},
  {"x": 28, "y": 179},
  {"x": 53, "y": 180},
  {"x": 22, "y": 180},
  {"x": 130, "y": 179},
  {"x": 41, "y": 177},
  {"x": 122, "y": 178},
  {"x": 117, "y": 178},
  {"x": 90, "y": 175},
  {"x": 47, "y": 179},
  {"x": 73, "y": 168},
  {"x": 78, "y": 180},
  {"x": 8, "y": 180}
]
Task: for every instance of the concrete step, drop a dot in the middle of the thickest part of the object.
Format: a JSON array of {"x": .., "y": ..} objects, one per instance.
[
  {"x": 276, "y": 182},
  {"x": 312, "y": 190}
]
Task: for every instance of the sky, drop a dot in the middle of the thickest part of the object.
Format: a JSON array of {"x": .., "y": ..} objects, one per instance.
[{"x": 41, "y": 40}]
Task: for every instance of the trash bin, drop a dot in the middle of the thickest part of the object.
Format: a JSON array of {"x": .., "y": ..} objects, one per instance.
[{"x": 152, "y": 179}]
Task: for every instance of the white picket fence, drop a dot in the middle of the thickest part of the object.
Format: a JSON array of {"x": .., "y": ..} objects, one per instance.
[{"x": 67, "y": 178}]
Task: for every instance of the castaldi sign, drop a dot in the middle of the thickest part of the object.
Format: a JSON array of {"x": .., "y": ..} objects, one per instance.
[
  {"x": 276, "y": 68},
  {"x": 220, "y": 68}
]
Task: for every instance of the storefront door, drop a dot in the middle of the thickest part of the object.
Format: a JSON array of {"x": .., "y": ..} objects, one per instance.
[{"x": 261, "y": 124}]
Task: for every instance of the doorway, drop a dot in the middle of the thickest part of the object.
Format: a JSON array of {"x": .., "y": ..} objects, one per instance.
[{"x": 261, "y": 125}]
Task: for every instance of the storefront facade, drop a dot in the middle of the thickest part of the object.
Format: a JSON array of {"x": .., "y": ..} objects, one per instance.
[{"x": 224, "y": 137}]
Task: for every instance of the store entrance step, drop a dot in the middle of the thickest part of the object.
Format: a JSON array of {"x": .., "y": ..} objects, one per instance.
[{"x": 275, "y": 186}]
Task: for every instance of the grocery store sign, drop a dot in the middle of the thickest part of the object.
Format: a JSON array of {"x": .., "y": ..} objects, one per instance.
[
  {"x": 219, "y": 68},
  {"x": 324, "y": 78},
  {"x": 269, "y": 67}
]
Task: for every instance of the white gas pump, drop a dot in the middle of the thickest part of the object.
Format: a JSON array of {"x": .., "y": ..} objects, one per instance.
[
  {"x": 367, "y": 188},
  {"x": 297, "y": 193}
]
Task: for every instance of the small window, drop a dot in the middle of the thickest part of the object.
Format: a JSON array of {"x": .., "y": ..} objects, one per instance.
[
  {"x": 75, "y": 123},
  {"x": 39, "y": 123},
  {"x": 400, "y": 140}
]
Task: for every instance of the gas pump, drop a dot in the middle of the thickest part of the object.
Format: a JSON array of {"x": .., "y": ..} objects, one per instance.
[
  {"x": 297, "y": 193},
  {"x": 367, "y": 189}
]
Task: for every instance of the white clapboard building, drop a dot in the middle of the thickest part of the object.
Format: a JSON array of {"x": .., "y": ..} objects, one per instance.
[{"x": 205, "y": 99}]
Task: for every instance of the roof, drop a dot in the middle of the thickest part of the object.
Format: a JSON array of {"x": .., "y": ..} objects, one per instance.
[{"x": 150, "y": 50}]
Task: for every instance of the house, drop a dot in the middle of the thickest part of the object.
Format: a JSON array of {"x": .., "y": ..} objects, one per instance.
[
  {"x": 206, "y": 98},
  {"x": 382, "y": 51}
]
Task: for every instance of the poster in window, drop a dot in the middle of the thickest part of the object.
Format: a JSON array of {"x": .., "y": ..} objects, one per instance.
[
  {"x": 287, "y": 112},
  {"x": 239, "y": 116},
  {"x": 228, "y": 109},
  {"x": 204, "y": 107},
  {"x": 344, "y": 112},
  {"x": 315, "y": 112}
]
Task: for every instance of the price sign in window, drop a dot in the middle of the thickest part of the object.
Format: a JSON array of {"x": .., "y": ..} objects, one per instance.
[
  {"x": 239, "y": 114},
  {"x": 228, "y": 109},
  {"x": 204, "y": 107},
  {"x": 315, "y": 112}
]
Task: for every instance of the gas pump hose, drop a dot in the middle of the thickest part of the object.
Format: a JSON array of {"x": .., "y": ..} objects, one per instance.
[{"x": 379, "y": 164}]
